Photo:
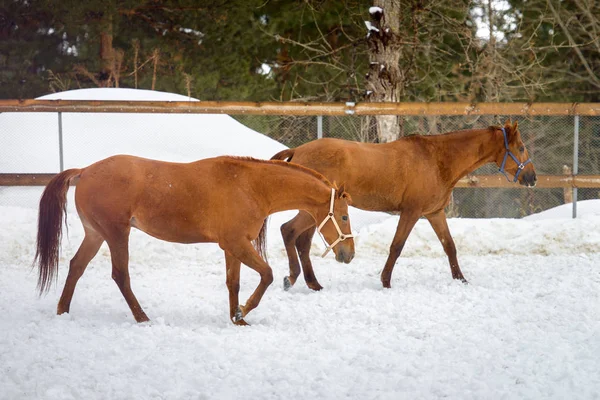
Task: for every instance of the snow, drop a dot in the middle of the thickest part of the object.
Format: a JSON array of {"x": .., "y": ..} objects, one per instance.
[
  {"x": 584, "y": 209},
  {"x": 371, "y": 27},
  {"x": 375, "y": 10},
  {"x": 526, "y": 326}
]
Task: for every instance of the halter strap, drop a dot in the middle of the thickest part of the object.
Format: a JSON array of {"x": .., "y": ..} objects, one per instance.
[
  {"x": 341, "y": 236},
  {"x": 520, "y": 165}
]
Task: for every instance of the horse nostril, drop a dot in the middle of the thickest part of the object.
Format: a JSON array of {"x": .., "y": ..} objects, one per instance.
[{"x": 349, "y": 258}]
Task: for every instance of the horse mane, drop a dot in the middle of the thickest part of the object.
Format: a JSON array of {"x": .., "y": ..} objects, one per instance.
[
  {"x": 490, "y": 129},
  {"x": 286, "y": 164}
]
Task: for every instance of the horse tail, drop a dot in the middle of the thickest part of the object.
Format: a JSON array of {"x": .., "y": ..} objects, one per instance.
[
  {"x": 53, "y": 206},
  {"x": 260, "y": 243},
  {"x": 285, "y": 155}
]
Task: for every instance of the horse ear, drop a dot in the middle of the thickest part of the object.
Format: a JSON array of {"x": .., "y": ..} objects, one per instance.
[
  {"x": 511, "y": 129},
  {"x": 342, "y": 194}
]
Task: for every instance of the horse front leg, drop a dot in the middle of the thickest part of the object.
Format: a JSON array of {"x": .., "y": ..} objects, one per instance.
[
  {"x": 405, "y": 225},
  {"x": 243, "y": 251},
  {"x": 232, "y": 266},
  {"x": 293, "y": 233},
  {"x": 303, "y": 245},
  {"x": 440, "y": 226}
]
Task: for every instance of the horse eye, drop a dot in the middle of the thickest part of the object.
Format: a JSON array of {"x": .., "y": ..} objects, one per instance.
[
  {"x": 522, "y": 149},
  {"x": 344, "y": 218}
]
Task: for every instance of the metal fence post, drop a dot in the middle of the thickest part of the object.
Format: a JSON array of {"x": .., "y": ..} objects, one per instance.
[
  {"x": 575, "y": 161},
  {"x": 60, "y": 143},
  {"x": 319, "y": 126}
]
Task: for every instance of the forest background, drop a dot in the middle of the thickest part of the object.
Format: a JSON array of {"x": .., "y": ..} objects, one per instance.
[{"x": 311, "y": 50}]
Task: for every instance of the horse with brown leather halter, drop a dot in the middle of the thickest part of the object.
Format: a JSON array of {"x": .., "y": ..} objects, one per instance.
[
  {"x": 225, "y": 200},
  {"x": 414, "y": 175}
]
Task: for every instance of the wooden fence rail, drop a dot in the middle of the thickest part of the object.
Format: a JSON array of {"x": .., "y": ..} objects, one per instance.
[
  {"x": 304, "y": 109},
  {"x": 471, "y": 181},
  {"x": 299, "y": 108}
]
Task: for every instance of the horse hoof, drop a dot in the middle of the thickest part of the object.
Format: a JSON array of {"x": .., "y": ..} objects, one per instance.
[
  {"x": 142, "y": 318},
  {"x": 238, "y": 316},
  {"x": 287, "y": 284},
  {"x": 241, "y": 322},
  {"x": 316, "y": 286},
  {"x": 463, "y": 280},
  {"x": 387, "y": 285}
]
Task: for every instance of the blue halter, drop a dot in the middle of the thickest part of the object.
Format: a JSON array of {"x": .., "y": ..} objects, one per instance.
[{"x": 520, "y": 165}]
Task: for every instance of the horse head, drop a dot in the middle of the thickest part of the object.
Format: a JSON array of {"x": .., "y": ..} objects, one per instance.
[
  {"x": 515, "y": 159},
  {"x": 334, "y": 227}
]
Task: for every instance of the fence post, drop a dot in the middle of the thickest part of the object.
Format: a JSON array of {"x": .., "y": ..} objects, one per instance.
[
  {"x": 60, "y": 143},
  {"x": 575, "y": 161},
  {"x": 319, "y": 126}
]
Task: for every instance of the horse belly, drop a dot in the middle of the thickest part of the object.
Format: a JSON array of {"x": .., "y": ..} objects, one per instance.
[
  {"x": 173, "y": 228},
  {"x": 176, "y": 223},
  {"x": 373, "y": 202}
]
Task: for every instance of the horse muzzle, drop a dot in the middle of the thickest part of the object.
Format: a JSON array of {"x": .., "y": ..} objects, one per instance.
[
  {"x": 528, "y": 178},
  {"x": 344, "y": 256}
]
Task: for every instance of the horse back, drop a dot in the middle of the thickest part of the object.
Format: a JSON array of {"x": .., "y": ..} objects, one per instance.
[
  {"x": 373, "y": 174},
  {"x": 179, "y": 202}
]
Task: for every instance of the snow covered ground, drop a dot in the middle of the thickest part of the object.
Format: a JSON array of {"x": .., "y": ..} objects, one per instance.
[{"x": 526, "y": 327}]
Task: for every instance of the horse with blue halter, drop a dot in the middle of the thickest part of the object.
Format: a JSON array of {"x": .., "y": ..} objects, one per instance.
[{"x": 413, "y": 175}]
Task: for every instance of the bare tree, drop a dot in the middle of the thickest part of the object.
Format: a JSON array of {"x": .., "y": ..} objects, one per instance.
[{"x": 385, "y": 79}]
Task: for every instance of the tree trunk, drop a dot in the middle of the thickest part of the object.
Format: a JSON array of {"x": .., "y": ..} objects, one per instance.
[
  {"x": 106, "y": 52},
  {"x": 384, "y": 77}
]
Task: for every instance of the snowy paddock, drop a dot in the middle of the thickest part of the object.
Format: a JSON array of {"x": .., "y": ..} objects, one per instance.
[{"x": 526, "y": 327}]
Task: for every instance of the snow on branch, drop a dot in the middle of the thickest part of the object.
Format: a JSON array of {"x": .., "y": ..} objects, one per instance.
[
  {"x": 376, "y": 13},
  {"x": 371, "y": 27}
]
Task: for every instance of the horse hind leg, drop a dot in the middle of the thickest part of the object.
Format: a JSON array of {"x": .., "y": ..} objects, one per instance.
[
  {"x": 119, "y": 253},
  {"x": 87, "y": 250},
  {"x": 405, "y": 225}
]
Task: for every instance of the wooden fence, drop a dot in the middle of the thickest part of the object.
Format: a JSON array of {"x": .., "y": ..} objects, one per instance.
[{"x": 300, "y": 108}]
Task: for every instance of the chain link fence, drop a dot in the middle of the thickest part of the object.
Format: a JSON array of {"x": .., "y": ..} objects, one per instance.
[{"x": 549, "y": 139}]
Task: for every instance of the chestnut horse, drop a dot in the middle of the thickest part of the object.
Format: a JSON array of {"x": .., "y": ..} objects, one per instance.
[
  {"x": 414, "y": 175},
  {"x": 224, "y": 200}
]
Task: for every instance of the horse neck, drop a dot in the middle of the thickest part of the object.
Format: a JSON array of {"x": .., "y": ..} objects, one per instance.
[
  {"x": 295, "y": 189},
  {"x": 463, "y": 152}
]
